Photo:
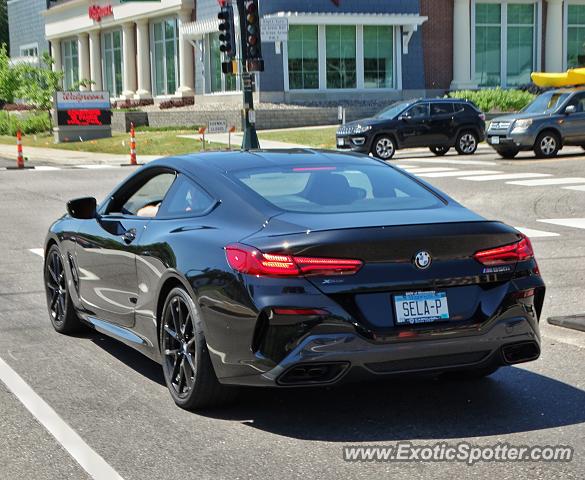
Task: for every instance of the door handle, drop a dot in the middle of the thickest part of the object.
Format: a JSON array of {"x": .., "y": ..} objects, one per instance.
[{"x": 129, "y": 236}]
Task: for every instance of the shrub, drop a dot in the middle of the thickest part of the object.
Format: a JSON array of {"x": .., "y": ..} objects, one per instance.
[
  {"x": 176, "y": 103},
  {"x": 496, "y": 99},
  {"x": 29, "y": 123}
]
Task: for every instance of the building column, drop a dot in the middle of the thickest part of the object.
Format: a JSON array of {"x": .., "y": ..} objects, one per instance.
[
  {"x": 95, "y": 60},
  {"x": 129, "y": 56},
  {"x": 143, "y": 60},
  {"x": 462, "y": 76},
  {"x": 553, "y": 45},
  {"x": 83, "y": 52},
  {"x": 186, "y": 57},
  {"x": 56, "y": 55}
]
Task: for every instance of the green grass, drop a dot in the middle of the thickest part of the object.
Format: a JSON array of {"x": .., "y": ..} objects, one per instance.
[
  {"x": 316, "y": 137},
  {"x": 147, "y": 143}
]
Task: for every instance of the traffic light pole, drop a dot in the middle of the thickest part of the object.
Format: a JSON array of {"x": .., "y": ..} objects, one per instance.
[{"x": 250, "y": 141}]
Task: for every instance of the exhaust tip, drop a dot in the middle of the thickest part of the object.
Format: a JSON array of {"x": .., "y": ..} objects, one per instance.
[
  {"x": 313, "y": 373},
  {"x": 520, "y": 352}
]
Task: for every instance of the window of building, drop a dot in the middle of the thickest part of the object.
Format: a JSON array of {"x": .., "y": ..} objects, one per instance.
[
  {"x": 112, "y": 58},
  {"x": 303, "y": 57},
  {"x": 218, "y": 81},
  {"x": 505, "y": 43},
  {"x": 378, "y": 57},
  {"x": 576, "y": 36},
  {"x": 488, "y": 46},
  {"x": 341, "y": 56},
  {"x": 166, "y": 47},
  {"x": 70, "y": 64},
  {"x": 29, "y": 50},
  {"x": 520, "y": 43}
]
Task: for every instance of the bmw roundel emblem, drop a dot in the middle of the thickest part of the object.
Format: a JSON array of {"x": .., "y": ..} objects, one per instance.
[{"x": 423, "y": 260}]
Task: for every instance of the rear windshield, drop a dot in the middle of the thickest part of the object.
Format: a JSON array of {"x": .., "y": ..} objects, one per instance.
[{"x": 340, "y": 189}]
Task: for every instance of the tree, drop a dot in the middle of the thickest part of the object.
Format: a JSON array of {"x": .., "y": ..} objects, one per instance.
[{"x": 4, "y": 33}]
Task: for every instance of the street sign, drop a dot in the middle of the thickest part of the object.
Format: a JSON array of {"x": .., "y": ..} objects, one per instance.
[
  {"x": 217, "y": 126},
  {"x": 274, "y": 29}
]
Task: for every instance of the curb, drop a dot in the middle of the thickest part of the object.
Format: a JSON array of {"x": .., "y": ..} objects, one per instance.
[{"x": 573, "y": 322}]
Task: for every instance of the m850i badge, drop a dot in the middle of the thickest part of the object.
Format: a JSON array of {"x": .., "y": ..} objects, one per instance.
[{"x": 502, "y": 269}]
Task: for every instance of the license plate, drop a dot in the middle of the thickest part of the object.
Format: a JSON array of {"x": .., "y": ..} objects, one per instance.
[
  {"x": 495, "y": 140},
  {"x": 421, "y": 307},
  {"x": 340, "y": 142}
]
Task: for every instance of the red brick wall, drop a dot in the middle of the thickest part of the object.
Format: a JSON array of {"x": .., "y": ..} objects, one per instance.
[{"x": 437, "y": 34}]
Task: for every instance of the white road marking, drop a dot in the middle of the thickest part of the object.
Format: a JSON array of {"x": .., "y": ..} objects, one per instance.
[
  {"x": 83, "y": 454},
  {"x": 566, "y": 222},
  {"x": 429, "y": 169},
  {"x": 506, "y": 176},
  {"x": 458, "y": 173},
  {"x": 579, "y": 188},
  {"x": 37, "y": 251},
  {"x": 45, "y": 168},
  {"x": 437, "y": 161},
  {"x": 531, "y": 233},
  {"x": 548, "y": 181},
  {"x": 97, "y": 166}
]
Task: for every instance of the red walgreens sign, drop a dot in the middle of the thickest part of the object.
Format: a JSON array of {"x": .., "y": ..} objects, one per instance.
[
  {"x": 97, "y": 12},
  {"x": 83, "y": 118}
]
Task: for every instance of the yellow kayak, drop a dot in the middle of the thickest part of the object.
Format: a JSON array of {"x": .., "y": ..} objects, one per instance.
[{"x": 573, "y": 76}]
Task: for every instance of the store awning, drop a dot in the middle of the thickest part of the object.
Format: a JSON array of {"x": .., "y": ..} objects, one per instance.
[
  {"x": 200, "y": 27},
  {"x": 346, "y": 18}
]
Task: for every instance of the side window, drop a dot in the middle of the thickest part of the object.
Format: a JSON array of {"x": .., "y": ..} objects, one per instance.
[
  {"x": 579, "y": 102},
  {"x": 144, "y": 199},
  {"x": 420, "y": 110},
  {"x": 439, "y": 109},
  {"x": 186, "y": 198}
]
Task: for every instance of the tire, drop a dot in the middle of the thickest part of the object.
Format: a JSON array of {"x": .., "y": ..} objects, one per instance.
[
  {"x": 384, "y": 147},
  {"x": 466, "y": 143},
  {"x": 61, "y": 310},
  {"x": 439, "y": 151},
  {"x": 187, "y": 367},
  {"x": 509, "y": 153},
  {"x": 547, "y": 145},
  {"x": 471, "y": 374}
]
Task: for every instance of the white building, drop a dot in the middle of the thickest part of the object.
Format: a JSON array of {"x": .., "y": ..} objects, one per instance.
[{"x": 134, "y": 50}]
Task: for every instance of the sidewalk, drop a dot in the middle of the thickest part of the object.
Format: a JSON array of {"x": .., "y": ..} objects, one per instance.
[{"x": 53, "y": 156}]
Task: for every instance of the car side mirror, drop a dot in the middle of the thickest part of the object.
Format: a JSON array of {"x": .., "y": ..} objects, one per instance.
[
  {"x": 405, "y": 117},
  {"x": 84, "y": 208},
  {"x": 570, "y": 110}
]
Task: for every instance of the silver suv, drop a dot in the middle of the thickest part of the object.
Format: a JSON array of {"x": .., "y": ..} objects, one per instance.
[{"x": 554, "y": 119}]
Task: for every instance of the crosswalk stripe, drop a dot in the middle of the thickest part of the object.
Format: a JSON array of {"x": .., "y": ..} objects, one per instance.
[
  {"x": 479, "y": 163},
  {"x": 531, "y": 233},
  {"x": 458, "y": 173},
  {"x": 429, "y": 170},
  {"x": 566, "y": 222},
  {"x": 96, "y": 167},
  {"x": 548, "y": 181},
  {"x": 45, "y": 168},
  {"x": 506, "y": 176},
  {"x": 579, "y": 188}
]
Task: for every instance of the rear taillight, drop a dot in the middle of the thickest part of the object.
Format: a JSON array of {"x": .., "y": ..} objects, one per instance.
[
  {"x": 513, "y": 253},
  {"x": 482, "y": 116},
  {"x": 246, "y": 259}
]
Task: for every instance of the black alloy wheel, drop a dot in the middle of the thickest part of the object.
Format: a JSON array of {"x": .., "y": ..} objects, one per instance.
[
  {"x": 61, "y": 311},
  {"x": 187, "y": 367}
]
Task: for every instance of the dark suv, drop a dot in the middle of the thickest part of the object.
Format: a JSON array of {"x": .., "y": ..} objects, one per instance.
[
  {"x": 554, "y": 119},
  {"x": 435, "y": 123}
]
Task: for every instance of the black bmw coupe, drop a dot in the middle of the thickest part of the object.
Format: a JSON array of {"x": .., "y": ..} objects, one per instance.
[{"x": 292, "y": 268}]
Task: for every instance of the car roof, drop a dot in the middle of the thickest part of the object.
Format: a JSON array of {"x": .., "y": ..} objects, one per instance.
[
  {"x": 225, "y": 161},
  {"x": 568, "y": 90}
]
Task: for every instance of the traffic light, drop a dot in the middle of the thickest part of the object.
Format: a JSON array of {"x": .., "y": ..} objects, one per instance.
[
  {"x": 253, "y": 43},
  {"x": 227, "y": 31}
]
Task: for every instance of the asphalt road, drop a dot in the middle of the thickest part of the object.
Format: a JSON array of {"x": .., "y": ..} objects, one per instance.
[{"x": 116, "y": 401}]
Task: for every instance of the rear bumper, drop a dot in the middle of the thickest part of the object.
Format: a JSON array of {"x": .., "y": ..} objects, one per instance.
[{"x": 356, "y": 358}]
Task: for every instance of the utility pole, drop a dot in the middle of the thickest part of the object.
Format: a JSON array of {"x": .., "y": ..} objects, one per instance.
[{"x": 251, "y": 56}]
